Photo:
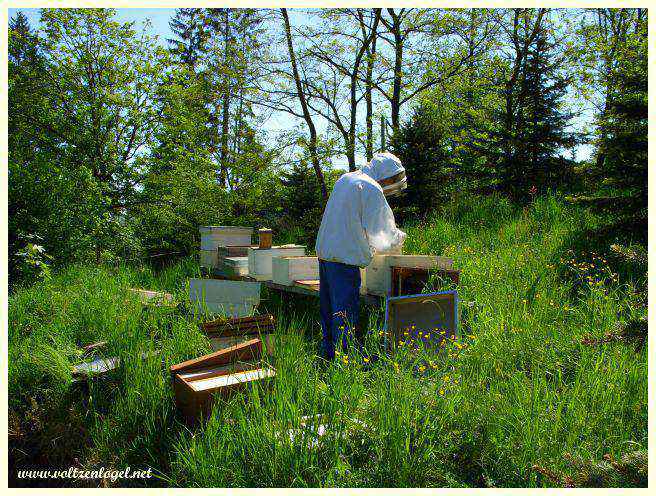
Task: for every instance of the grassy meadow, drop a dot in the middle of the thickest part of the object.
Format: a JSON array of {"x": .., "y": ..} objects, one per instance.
[{"x": 546, "y": 386}]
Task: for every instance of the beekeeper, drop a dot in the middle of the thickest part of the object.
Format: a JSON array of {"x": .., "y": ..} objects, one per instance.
[{"x": 356, "y": 223}]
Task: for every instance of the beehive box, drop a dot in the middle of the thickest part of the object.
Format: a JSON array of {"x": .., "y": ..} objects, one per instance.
[
  {"x": 211, "y": 237},
  {"x": 232, "y": 251},
  {"x": 260, "y": 265},
  {"x": 378, "y": 275},
  {"x": 234, "y": 266},
  {"x": 229, "y": 298},
  {"x": 197, "y": 382},
  {"x": 209, "y": 259},
  {"x": 286, "y": 270}
]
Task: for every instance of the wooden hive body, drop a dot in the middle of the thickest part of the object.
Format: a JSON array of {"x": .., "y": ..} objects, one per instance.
[
  {"x": 260, "y": 265},
  {"x": 286, "y": 270},
  {"x": 223, "y": 333},
  {"x": 197, "y": 382},
  {"x": 211, "y": 237},
  {"x": 230, "y": 298},
  {"x": 379, "y": 273}
]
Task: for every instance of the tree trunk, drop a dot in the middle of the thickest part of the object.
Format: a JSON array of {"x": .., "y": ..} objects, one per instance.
[
  {"x": 368, "y": 87},
  {"x": 350, "y": 138},
  {"x": 398, "y": 65},
  {"x": 312, "y": 145},
  {"x": 225, "y": 126}
]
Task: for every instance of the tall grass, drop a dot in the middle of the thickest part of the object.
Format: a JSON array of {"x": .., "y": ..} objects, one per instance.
[{"x": 520, "y": 394}]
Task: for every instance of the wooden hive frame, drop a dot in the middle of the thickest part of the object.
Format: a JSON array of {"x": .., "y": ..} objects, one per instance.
[{"x": 422, "y": 313}]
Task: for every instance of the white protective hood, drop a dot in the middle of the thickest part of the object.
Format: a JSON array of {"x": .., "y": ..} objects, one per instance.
[{"x": 358, "y": 221}]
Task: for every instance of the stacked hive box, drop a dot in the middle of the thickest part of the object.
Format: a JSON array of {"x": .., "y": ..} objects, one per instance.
[
  {"x": 286, "y": 270},
  {"x": 260, "y": 265},
  {"x": 379, "y": 273},
  {"x": 211, "y": 237}
]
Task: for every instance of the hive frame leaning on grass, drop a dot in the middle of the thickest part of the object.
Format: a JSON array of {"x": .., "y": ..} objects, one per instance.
[{"x": 393, "y": 328}]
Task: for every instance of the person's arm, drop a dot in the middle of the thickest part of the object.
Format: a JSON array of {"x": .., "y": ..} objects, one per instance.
[{"x": 378, "y": 221}]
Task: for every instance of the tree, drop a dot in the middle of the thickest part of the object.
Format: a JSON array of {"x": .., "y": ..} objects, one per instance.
[
  {"x": 420, "y": 144},
  {"x": 302, "y": 98},
  {"x": 531, "y": 130},
  {"x": 624, "y": 123},
  {"x": 424, "y": 54},
  {"x": 541, "y": 128},
  {"x": 190, "y": 28},
  {"x": 95, "y": 113},
  {"x": 335, "y": 84}
]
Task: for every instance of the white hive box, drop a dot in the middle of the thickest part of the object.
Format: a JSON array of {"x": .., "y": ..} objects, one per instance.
[
  {"x": 235, "y": 266},
  {"x": 209, "y": 258},
  {"x": 260, "y": 261},
  {"x": 228, "y": 298},
  {"x": 378, "y": 275},
  {"x": 211, "y": 237},
  {"x": 286, "y": 270}
]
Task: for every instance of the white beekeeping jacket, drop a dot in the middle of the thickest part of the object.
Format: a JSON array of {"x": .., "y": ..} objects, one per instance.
[{"x": 358, "y": 221}]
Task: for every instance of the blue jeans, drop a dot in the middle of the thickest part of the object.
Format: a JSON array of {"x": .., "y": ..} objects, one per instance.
[{"x": 339, "y": 298}]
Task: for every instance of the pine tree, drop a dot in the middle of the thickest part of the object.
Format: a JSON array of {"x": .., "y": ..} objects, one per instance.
[
  {"x": 190, "y": 28},
  {"x": 303, "y": 202},
  {"x": 532, "y": 126},
  {"x": 623, "y": 146},
  {"x": 541, "y": 131},
  {"x": 420, "y": 146}
]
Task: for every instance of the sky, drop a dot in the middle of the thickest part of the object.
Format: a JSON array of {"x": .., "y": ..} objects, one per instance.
[{"x": 275, "y": 123}]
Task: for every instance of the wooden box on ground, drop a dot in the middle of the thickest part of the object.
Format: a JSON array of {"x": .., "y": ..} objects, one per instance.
[
  {"x": 430, "y": 318},
  {"x": 379, "y": 275},
  {"x": 211, "y": 237},
  {"x": 257, "y": 324},
  {"x": 260, "y": 261},
  {"x": 229, "y": 298},
  {"x": 197, "y": 382},
  {"x": 286, "y": 270}
]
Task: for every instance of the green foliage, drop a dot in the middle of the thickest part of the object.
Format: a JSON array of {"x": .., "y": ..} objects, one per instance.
[
  {"x": 533, "y": 393},
  {"x": 420, "y": 144},
  {"x": 623, "y": 148},
  {"x": 302, "y": 203},
  {"x": 81, "y": 118}
]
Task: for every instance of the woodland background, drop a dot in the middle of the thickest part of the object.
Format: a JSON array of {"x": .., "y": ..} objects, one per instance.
[{"x": 121, "y": 145}]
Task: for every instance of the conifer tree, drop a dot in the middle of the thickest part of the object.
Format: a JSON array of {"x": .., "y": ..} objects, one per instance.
[
  {"x": 541, "y": 130},
  {"x": 189, "y": 27},
  {"x": 420, "y": 146}
]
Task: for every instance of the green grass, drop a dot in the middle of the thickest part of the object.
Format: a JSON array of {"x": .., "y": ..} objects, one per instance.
[{"x": 519, "y": 389}]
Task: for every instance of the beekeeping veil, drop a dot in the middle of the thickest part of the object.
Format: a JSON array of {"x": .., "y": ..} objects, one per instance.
[{"x": 386, "y": 168}]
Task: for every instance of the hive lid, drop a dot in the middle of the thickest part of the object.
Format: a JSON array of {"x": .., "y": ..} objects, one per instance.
[
  {"x": 226, "y": 228},
  {"x": 248, "y": 350}
]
